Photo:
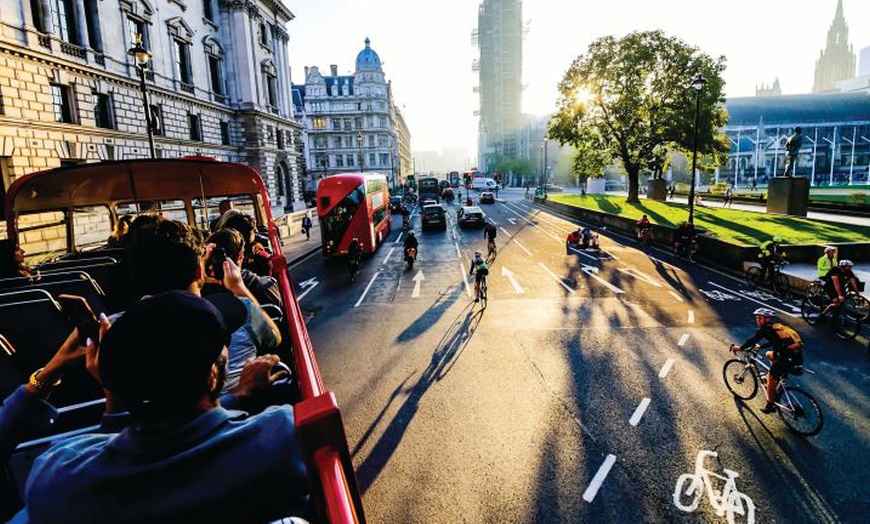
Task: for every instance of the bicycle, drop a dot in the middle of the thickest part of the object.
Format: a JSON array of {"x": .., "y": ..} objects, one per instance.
[
  {"x": 687, "y": 249},
  {"x": 492, "y": 249},
  {"x": 845, "y": 320},
  {"x": 728, "y": 503},
  {"x": 644, "y": 234},
  {"x": 353, "y": 267},
  {"x": 798, "y": 409},
  {"x": 481, "y": 292},
  {"x": 777, "y": 280}
]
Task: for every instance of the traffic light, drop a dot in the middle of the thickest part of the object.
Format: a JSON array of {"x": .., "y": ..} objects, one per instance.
[
  {"x": 410, "y": 180},
  {"x": 467, "y": 178}
]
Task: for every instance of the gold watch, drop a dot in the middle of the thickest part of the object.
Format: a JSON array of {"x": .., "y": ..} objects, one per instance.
[{"x": 38, "y": 385}]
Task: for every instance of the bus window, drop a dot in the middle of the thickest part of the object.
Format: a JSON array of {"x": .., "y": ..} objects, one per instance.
[
  {"x": 336, "y": 222},
  {"x": 168, "y": 209},
  {"x": 42, "y": 235},
  {"x": 91, "y": 226},
  {"x": 205, "y": 217}
]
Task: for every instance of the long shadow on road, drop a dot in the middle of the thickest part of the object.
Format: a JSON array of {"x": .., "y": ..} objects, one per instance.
[{"x": 446, "y": 353}]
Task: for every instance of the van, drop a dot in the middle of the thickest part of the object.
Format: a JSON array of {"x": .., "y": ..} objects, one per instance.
[{"x": 482, "y": 184}]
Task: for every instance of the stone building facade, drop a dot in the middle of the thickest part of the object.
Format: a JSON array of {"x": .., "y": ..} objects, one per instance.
[
  {"x": 351, "y": 122},
  {"x": 837, "y": 61},
  {"x": 218, "y": 85}
]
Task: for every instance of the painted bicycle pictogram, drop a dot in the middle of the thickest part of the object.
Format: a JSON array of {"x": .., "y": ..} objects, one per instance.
[{"x": 729, "y": 502}]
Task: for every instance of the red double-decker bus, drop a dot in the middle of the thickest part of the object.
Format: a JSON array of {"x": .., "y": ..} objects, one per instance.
[{"x": 353, "y": 206}]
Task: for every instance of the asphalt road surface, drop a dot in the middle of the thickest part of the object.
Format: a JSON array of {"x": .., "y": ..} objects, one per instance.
[{"x": 584, "y": 391}]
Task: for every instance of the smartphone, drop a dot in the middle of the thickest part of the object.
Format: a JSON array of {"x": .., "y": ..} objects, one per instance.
[
  {"x": 218, "y": 255},
  {"x": 80, "y": 315}
]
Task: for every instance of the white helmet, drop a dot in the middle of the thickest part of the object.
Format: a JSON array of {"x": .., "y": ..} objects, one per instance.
[
  {"x": 830, "y": 249},
  {"x": 478, "y": 254},
  {"x": 846, "y": 263},
  {"x": 764, "y": 312}
]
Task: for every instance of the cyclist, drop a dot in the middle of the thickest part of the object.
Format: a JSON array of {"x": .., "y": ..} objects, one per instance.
[
  {"x": 589, "y": 238},
  {"x": 479, "y": 269},
  {"x": 771, "y": 256},
  {"x": 406, "y": 217},
  {"x": 785, "y": 350},
  {"x": 683, "y": 235},
  {"x": 642, "y": 225},
  {"x": 827, "y": 262},
  {"x": 839, "y": 280},
  {"x": 572, "y": 240},
  {"x": 353, "y": 255},
  {"x": 490, "y": 232},
  {"x": 411, "y": 242}
]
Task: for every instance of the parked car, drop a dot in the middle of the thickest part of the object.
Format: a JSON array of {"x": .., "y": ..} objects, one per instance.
[
  {"x": 430, "y": 202},
  {"x": 613, "y": 185},
  {"x": 553, "y": 188},
  {"x": 486, "y": 197},
  {"x": 468, "y": 216},
  {"x": 433, "y": 217},
  {"x": 395, "y": 204}
]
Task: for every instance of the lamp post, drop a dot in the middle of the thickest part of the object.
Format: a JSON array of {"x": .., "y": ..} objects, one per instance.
[
  {"x": 362, "y": 159},
  {"x": 698, "y": 84},
  {"x": 546, "y": 172},
  {"x": 141, "y": 56}
]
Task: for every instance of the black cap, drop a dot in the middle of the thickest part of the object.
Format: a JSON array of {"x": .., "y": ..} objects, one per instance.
[{"x": 161, "y": 350}]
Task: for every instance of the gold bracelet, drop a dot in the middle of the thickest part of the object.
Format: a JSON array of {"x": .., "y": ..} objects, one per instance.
[{"x": 40, "y": 386}]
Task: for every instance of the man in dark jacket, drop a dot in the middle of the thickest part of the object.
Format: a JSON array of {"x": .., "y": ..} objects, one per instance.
[{"x": 264, "y": 289}]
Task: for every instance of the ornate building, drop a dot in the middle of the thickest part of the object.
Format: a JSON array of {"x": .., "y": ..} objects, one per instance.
[
  {"x": 218, "y": 83},
  {"x": 837, "y": 61},
  {"x": 351, "y": 122},
  {"x": 764, "y": 90}
]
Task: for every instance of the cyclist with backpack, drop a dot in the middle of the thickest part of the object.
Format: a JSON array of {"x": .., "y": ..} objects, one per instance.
[
  {"x": 785, "y": 350},
  {"x": 479, "y": 269},
  {"x": 490, "y": 232}
]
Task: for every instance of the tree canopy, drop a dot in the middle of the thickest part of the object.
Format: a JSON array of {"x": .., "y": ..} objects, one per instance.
[{"x": 631, "y": 99}]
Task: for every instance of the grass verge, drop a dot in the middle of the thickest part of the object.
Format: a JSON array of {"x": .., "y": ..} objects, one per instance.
[{"x": 730, "y": 225}]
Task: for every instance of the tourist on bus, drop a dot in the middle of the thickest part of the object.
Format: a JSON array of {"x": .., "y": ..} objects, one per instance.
[
  {"x": 182, "y": 457},
  {"x": 265, "y": 289},
  {"x": 122, "y": 227},
  {"x": 257, "y": 252},
  {"x": 12, "y": 261},
  {"x": 171, "y": 255}
]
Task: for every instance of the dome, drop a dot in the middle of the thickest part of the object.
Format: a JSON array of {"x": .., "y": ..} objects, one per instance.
[{"x": 367, "y": 59}]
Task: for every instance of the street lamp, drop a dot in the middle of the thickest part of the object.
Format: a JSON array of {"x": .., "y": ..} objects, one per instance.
[
  {"x": 546, "y": 173},
  {"x": 141, "y": 56},
  {"x": 698, "y": 84},
  {"x": 362, "y": 158}
]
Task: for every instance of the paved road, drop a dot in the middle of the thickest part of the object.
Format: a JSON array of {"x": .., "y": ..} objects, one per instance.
[{"x": 582, "y": 393}]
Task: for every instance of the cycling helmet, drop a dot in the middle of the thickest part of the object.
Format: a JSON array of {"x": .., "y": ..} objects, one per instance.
[
  {"x": 778, "y": 240},
  {"x": 478, "y": 253},
  {"x": 764, "y": 312},
  {"x": 411, "y": 233},
  {"x": 830, "y": 249},
  {"x": 846, "y": 263}
]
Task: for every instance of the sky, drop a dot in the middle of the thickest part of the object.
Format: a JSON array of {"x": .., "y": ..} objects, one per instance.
[{"x": 426, "y": 50}]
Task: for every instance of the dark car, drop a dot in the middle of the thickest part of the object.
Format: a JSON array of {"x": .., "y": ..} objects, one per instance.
[
  {"x": 553, "y": 188},
  {"x": 486, "y": 197},
  {"x": 469, "y": 216},
  {"x": 433, "y": 217},
  {"x": 395, "y": 204}
]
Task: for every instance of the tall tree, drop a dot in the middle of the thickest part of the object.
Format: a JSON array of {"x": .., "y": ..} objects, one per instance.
[{"x": 632, "y": 98}]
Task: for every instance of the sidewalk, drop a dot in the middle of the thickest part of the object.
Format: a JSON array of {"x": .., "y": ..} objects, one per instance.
[
  {"x": 827, "y": 217},
  {"x": 296, "y": 247}
]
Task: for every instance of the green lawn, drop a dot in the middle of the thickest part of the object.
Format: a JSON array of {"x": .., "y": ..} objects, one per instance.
[{"x": 730, "y": 225}]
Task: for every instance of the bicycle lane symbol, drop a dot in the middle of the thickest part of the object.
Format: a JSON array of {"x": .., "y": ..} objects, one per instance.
[
  {"x": 717, "y": 295},
  {"x": 727, "y": 502}
]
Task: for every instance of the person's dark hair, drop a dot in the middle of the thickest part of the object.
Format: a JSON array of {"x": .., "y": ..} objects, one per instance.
[
  {"x": 163, "y": 256},
  {"x": 239, "y": 221},
  {"x": 229, "y": 239},
  {"x": 8, "y": 266}
]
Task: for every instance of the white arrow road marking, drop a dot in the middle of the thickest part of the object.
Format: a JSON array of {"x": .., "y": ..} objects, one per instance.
[
  {"x": 639, "y": 274},
  {"x": 311, "y": 283},
  {"x": 666, "y": 368},
  {"x": 591, "y": 271},
  {"x": 638, "y": 413},
  {"x": 365, "y": 292},
  {"x": 418, "y": 281},
  {"x": 388, "y": 255},
  {"x": 517, "y": 242},
  {"x": 507, "y": 273},
  {"x": 676, "y": 296},
  {"x": 513, "y": 221},
  {"x": 683, "y": 340},
  {"x": 559, "y": 280},
  {"x": 598, "y": 479},
  {"x": 691, "y": 317},
  {"x": 754, "y": 300},
  {"x": 582, "y": 253},
  {"x": 465, "y": 279}
]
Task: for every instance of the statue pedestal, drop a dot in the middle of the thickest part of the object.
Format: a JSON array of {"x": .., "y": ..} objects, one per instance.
[
  {"x": 657, "y": 189},
  {"x": 788, "y": 195}
]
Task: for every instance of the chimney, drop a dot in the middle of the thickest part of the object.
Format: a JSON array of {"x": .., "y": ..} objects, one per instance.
[
  {"x": 306, "y": 72},
  {"x": 334, "y": 69}
]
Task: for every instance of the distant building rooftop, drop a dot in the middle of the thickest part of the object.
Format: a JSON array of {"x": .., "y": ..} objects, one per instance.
[{"x": 824, "y": 108}]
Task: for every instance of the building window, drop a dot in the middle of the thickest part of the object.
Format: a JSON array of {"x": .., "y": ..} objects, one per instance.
[
  {"x": 350, "y": 161},
  {"x": 272, "y": 92},
  {"x": 358, "y": 122},
  {"x": 347, "y": 124},
  {"x": 182, "y": 62},
  {"x": 371, "y": 140},
  {"x": 336, "y": 123},
  {"x": 385, "y": 159},
  {"x": 92, "y": 24},
  {"x": 38, "y": 15},
  {"x": 264, "y": 34},
  {"x": 61, "y": 104},
  {"x": 383, "y": 122},
  {"x": 225, "y": 133},
  {"x": 103, "y": 111},
  {"x": 208, "y": 11},
  {"x": 215, "y": 67},
  {"x": 157, "y": 124},
  {"x": 138, "y": 27},
  {"x": 372, "y": 159},
  {"x": 63, "y": 20},
  {"x": 339, "y": 161},
  {"x": 280, "y": 139},
  {"x": 319, "y": 122},
  {"x": 195, "y": 126}
]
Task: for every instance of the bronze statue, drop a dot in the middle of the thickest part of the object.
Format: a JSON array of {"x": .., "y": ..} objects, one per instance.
[{"x": 792, "y": 148}]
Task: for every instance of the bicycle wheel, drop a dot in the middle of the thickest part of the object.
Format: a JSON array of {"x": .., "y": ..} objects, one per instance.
[
  {"x": 691, "y": 486},
  {"x": 781, "y": 284},
  {"x": 753, "y": 276},
  {"x": 483, "y": 293},
  {"x": 739, "y": 504},
  {"x": 811, "y": 310},
  {"x": 846, "y": 326},
  {"x": 857, "y": 306},
  {"x": 692, "y": 253},
  {"x": 800, "y": 412},
  {"x": 740, "y": 378}
]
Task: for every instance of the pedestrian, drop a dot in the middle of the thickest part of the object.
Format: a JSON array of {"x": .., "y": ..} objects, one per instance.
[
  {"x": 306, "y": 226},
  {"x": 754, "y": 185},
  {"x": 729, "y": 197}
]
